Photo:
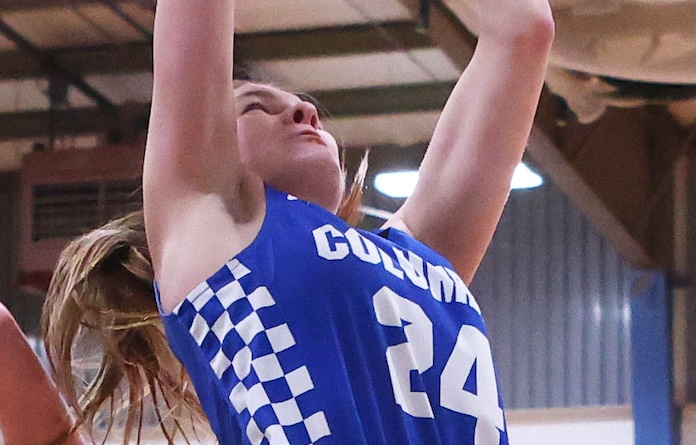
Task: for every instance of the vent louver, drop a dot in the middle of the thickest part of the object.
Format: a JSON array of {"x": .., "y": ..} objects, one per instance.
[{"x": 69, "y": 210}]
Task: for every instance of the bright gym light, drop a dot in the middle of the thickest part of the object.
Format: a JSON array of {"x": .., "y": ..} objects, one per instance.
[
  {"x": 524, "y": 178},
  {"x": 401, "y": 184},
  {"x": 396, "y": 184}
]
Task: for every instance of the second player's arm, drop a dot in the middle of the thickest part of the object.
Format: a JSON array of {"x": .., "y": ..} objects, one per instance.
[{"x": 31, "y": 410}]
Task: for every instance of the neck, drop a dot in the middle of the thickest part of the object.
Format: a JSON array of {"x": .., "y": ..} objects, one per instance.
[{"x": 315, "y": 189}]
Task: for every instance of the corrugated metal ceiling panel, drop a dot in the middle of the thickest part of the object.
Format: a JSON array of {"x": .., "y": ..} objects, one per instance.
[
  {"x": 399, "y": 129},
  {"x": 378, "y": 69},
  {"x": 255, "y": 16},
  {"x": 56, "y": 27},
  {"x": 109, "y": 25}
]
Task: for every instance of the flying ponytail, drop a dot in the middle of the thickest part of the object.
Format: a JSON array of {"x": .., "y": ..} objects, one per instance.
[{"x": 102, "y": 292}]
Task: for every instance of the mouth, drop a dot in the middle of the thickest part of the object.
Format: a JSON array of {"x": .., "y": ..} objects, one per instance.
[{"x": 312, "y": 134}]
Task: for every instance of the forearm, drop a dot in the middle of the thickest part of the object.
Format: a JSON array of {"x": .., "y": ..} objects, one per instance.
[
  {"x": 192, "y": 50},
  {"x": 192, "y": 133},
  {"x": 497, "y": 94},
  {"x": 31, "y": 410},
  {"x": 478, "y": 141}
]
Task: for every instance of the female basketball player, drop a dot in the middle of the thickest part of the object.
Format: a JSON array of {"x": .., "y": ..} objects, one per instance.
[{"x": 293, "y": 326}]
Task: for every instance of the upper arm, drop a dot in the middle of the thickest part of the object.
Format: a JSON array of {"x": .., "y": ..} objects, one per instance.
[
  {"x": 479, "y": 140},
  {"x": 194, "y": 184}
]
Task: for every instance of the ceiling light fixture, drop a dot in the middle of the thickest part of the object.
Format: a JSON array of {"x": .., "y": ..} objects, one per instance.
[
  {"x": 396, "y": 184},
  {"x": 400, "y": 184},
  {"x": 525, "y": 178}
]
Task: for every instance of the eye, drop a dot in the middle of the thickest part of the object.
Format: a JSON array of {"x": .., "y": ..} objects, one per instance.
[{"x": 254, "y": 106}]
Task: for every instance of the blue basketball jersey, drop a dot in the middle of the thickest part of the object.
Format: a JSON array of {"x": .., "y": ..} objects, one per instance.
[{"x": 319, "y": 333}]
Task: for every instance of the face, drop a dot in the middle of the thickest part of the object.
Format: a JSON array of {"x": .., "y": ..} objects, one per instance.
[{"x": 282, "y": 140}]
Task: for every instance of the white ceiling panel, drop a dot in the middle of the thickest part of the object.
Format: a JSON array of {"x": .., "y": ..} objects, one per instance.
[
  {"x": 269, "y": 15},
  {"x": 110, "y": 25},
  {"x": 78, "y": 99},
  {"x": 23, "y": 95},
  {"x": 399, "y": 129},
  {"x": 30, "y": 94},
  {"x": 380, "y": 10},
  {"x": 124, "y": 88},
  {"x": 378, "y": 69},
  {"x": 436, "y": 63},
  {"x": 55, "y": 27},
  {"x": 144, "y": 16}
]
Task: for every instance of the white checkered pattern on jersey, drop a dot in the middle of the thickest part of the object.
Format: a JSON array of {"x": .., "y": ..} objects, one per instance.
[{"x": 246, "y": 356}]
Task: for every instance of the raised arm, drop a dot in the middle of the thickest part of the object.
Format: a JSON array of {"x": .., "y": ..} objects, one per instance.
[
  {"x": 482, "y": 132},
  {"x": 193, "y": 115},
  {"x": 31, "y": 411},
  {"x": 193, "y": 182}
]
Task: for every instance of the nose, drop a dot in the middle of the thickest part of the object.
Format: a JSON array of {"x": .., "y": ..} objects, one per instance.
[{"x": 305, "y": 113}]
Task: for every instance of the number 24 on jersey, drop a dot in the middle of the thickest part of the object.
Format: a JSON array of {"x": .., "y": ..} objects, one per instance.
[{"x": 416, "y": 354}]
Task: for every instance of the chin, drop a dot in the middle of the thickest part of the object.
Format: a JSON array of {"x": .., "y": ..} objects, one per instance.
[{"x": 309, "y": 180}]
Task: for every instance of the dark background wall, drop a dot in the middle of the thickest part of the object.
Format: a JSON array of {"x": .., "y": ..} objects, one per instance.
[{"x": 25, "y": 307}]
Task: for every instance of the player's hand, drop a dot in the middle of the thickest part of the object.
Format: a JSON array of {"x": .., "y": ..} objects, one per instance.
[{"x": 506, "y": 19}]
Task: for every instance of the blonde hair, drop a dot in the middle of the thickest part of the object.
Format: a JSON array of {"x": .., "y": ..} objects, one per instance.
[
  {"x": 349, "y": 210},
  {"x": 102, "y": 288}
]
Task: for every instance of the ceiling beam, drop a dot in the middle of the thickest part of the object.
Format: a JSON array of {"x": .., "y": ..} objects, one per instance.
[
  {"x": 8, "y": 6},
  {"x": 341, "y": 103},
  {"x": 72, "y": 122},
  {"x": 619, "y": 171},
  {"x": 445, "y": 30},
  {"x": 137, "y": 57},
  {"x": 123, "y": 15},
  {"x": 384, "y": 100},
  {"x": 111, "y": 59},
  {"x": 584, "y": 194},
  {"x": 47, "y": 62},
  {"x": 331, "y": 41}
]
